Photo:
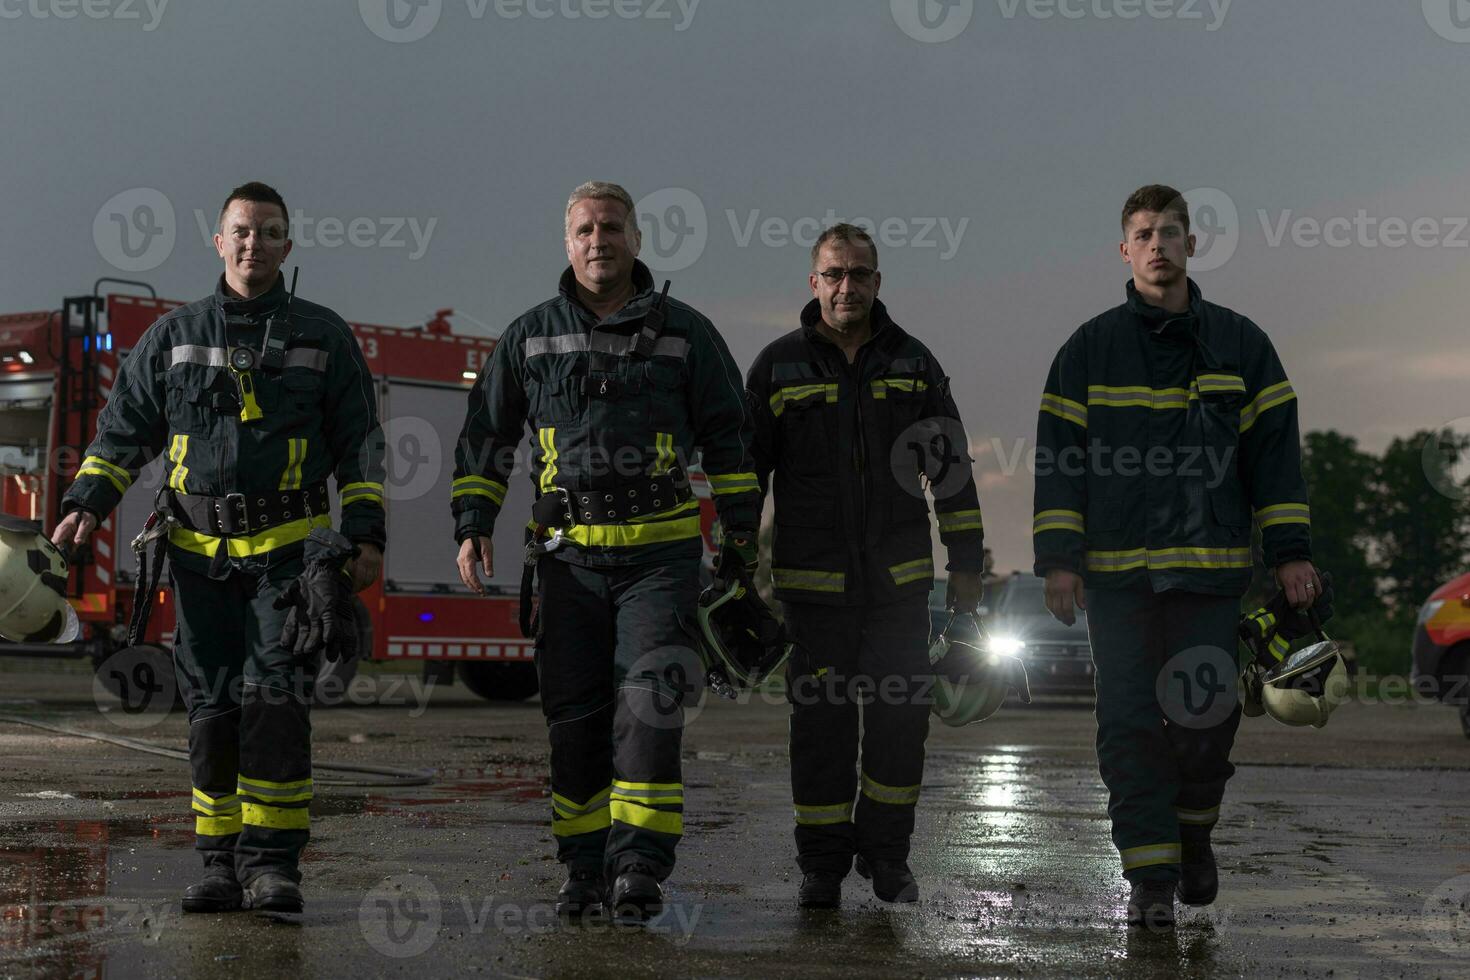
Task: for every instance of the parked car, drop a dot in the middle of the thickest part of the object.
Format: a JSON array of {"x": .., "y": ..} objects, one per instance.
[
  {"x": 1441, "y": 662},
  {"x": 1058, "y": 658}
]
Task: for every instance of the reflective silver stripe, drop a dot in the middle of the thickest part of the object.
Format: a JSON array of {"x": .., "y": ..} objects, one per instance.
[
  {"x": 1151, "y": 854},
  {"x": 1198, "y": 818},
  {"x": 195, "y": 354},
  {"x": 603, "y": 343},
  {"x": 307, "y": 357},
  {"x": 895, "y": 795},
  {"x": 817, "y": 816}
]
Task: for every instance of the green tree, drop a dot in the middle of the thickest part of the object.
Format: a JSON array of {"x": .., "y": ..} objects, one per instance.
[
  {"x": 1341, "y": 479},
  {"x": 1420, "y": 518}
]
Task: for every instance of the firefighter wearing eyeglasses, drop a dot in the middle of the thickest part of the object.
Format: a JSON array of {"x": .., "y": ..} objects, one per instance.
[
  {"x": 256, "y": 398},
  {"x": 848, "y": 410}
]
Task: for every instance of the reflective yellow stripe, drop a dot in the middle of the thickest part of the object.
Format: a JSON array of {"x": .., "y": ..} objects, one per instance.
[
  {"x": 654, "y": 529},
  {"x": 1139, "y": 396},
  {"x": 256, "y": 544},
  {"x": 647, "y": 793},
  {"x": 658, "y": 821},
  {"x": 881, "y": 386},
  {"x": 1277, "y": 394},
  {"x": 97, "y": 466},
  {"x": 218, "y": 826},
  {"x": 568, "y": 809},
  {"x": 265, "y": 790},
  {"x": 599, "y": 819},
  {"x": 664, "y": 447},
  {"x": 1065, "y": 409},
  {"x": 960, "y": 520},
  {"x": 1161, "y": 558},
  {"x": 1058, "y": 520},
  {"x": 808, "y": 581},
  {"x": 479, "y": 486},
  {"x": 1197, "y": 818},
  {"x": 352, "y": 493},
  {"x": 295, "y": 456},
  {"x": 215, "y": 805},
  {"x": 821, "y": 816},
  {"x": 547, "y": 438},
  {"x": 177, "y": 450},
  {"x": 277, "y": 817},
  {"x": 647, "y": 800},
  {"x": 1279, "y": 647},
  {"x": 1219, "y": 382},
  {"x": 723, "y": 483},
  {"x": 1149, "y": 854},
  {"x": 619, "y": 784},
  {"x": 1284, "y": 514},
  {"x": 795, "y": 393},
  {"x": 896, "y": 795},
  {"x": 911, "y": 571}
]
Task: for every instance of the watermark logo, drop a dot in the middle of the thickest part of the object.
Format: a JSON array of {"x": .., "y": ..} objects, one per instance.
[
  {"x": 1215, "y": 223},
  {"x": 1450, "y": 19},
  {"x": 401, "y": 916},
  {"x": 332, "y": 232},
  {"x": 1447, "y": 916},
  {"x": 414, "y": 457},
  {"x": 663, "y": 688},
  {"x": 674, "y": 228},
  {"x": 135, "y": 230},
  {"x": 1198, "y": 687},
  {"x": 1446, "y": 458},
  {"x": 134, "y": 688},
  {"x": 932, "y": 453},
  {"x": 932, "y": 21},
  {"x": 123, "y": 10},
  {"x": 400, "y": 21}
]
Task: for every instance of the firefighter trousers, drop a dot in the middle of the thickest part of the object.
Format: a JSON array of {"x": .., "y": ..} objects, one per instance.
[
  {"x": 851, "y": 665},
  {"x": 1167, "y": 711},
  {"x": 249, "y": 726},
  {"x": 616, "y": 662}
]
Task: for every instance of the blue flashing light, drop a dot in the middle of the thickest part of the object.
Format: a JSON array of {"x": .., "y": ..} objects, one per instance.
[{"x": 426, "y": 617}]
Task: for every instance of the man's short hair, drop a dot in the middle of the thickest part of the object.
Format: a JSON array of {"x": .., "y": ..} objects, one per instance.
[
  {"x": 1156, "y": 197},
  {"x": 259, "y": 193},
  {"x": 847, "y": 234},
  {"x": 602, "y": 190}
]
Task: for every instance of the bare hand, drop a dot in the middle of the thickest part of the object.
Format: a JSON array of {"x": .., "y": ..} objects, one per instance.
[
  {"x": 366, "y": 567},
  {"x": 1301, "y": 583},
  {"x": 74, "y": 530},
  {"x": 475, "y": 553},
  {"x": 1064, "y": 590},
  {"x": 965, "y": 590}
]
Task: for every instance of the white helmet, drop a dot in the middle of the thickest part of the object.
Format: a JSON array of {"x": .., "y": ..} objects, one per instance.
[
  {"x": 33, "y": 573},
  {"x": 1304, "y": 689}
]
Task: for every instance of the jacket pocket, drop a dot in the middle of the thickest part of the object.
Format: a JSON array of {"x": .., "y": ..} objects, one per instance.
[
  {"x": 187, "y": 401},
  {"x": 555, "y": 390},
  {"x": 808, "y": 429},
  {"x": 1230, "y": 513},
  {"x": 666, "y": 382}
]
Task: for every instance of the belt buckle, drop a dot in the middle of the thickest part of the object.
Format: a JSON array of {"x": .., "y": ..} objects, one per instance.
[
  {"x": 567, "y": 512},
  {"x": 236, "y": 506}
]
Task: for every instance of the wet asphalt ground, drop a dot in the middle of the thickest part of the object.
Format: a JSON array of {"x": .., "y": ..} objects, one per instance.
[{"x": 1344, "y": 852}]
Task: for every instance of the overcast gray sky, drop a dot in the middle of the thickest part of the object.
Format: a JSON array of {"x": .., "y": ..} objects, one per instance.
[{"x": 996, "y": 138}]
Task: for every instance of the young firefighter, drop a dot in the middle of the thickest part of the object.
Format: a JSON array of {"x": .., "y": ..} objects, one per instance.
[
  {"x": 619, "y": 384},
  {"x": 259, "y": 397},
  {"x": 1166, "y": 422},
  {"x": 852, "y": 561}
]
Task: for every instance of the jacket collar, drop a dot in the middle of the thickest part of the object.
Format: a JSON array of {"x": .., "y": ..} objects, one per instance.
[
  {"x": 1156, "y": 317},
  {"x": 884, "y": 329},
  {"x": 636, "y": 307},
  {"x": 266, "y": 302}
]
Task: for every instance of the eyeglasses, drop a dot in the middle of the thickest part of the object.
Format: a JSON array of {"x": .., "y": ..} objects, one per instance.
[{"x": 862, "y": 275}]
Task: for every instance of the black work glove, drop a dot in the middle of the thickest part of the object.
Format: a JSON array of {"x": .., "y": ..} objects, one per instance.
[
  {"x": 739, "y": 555},
  {"x": 1293, "y": 625},
  {"x": 323, "y": 616}
]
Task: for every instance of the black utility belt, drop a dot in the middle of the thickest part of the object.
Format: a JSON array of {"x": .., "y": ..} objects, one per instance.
[
  {"x": 238, "y": 514},
  {"x": 560, "y": 507}
]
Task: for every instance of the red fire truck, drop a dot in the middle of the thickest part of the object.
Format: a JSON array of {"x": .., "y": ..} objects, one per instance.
[{"x": 56, "y": 371}]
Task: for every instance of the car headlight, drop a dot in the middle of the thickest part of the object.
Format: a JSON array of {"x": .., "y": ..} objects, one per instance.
[
  {"x": 1426, "y": 613},
  {"x": 1006, "y": 646}
]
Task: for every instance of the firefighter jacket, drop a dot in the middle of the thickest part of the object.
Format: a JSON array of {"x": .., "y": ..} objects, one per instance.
[
  {"x": 242, "y": 432},
  {"x": 852, "y": 522},
  {"x": 1159, "y": 436},
  {"x": 603, "y": 417}
]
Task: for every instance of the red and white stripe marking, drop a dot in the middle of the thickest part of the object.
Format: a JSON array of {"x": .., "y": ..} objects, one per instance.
[{"x": 458, "y": 648}]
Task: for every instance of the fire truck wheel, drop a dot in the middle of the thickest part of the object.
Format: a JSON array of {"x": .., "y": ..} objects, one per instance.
[
  {"x": 500, "y": 681},
  {"x": 141, "y": 678},
  {"x": 334, "y": 678}
]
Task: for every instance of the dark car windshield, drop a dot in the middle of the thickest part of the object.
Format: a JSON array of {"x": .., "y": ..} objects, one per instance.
[{"x": 1024, "y": 594}]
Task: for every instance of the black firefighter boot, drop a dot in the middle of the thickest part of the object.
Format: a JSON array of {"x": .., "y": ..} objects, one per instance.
[
  {"x": 820, "y": 890},
  {"x": 581, "y": 894},
  {"x": 272, "y": 892},
  {"x": 1151, "y": 905},
  {"x": 218, "y": 890},
  {"x": 636, "y": 894},
  {"x": 1199, "y": 880},
  {"x": 892, "y": 880}
]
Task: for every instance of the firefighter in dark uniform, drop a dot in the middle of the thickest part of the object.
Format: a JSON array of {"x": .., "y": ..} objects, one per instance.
[
  {"x": 1166, "y": 424},
  {"x": 840, "y": 406},
  {"x": 256, "y": 405},
  {"x": 619, "y": 385}
]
